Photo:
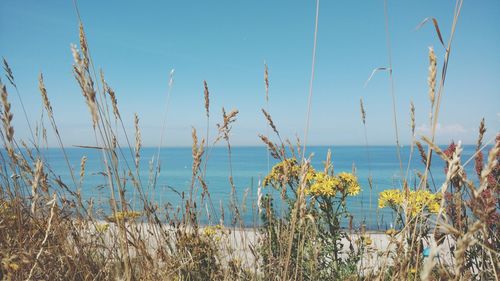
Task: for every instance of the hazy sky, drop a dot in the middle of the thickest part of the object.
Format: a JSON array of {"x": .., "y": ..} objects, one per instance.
[{"x": 226, "y": 42}]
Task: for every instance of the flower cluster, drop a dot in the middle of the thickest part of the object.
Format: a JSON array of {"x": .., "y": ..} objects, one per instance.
[
  {"x": 322, "y": 184},
  {"x": 124, "y": 215},
  {"x": 418, "y": 200},
  {"x": 283, "y": 173},
  {"x": 349, "y": 184},
  {"x": 216, "y": 232},
  {"x": 212, "y": 230},
  {"x": 318, "y": 183},
  {"x": 391, "y": 198},
  {"x": 414, "y": 201}
]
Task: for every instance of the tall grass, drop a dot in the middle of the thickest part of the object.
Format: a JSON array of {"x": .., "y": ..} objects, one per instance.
[{"x": 442, "y": 231}]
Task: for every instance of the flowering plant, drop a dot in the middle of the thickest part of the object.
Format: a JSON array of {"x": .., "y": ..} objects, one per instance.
[{"x": 321, "y": 196}]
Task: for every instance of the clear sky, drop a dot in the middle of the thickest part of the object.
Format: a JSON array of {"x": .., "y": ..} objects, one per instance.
[{"x": 226, "y": 42}]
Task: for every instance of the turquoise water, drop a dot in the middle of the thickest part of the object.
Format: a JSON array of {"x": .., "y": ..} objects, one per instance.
[{"x": 248, "y": 164}]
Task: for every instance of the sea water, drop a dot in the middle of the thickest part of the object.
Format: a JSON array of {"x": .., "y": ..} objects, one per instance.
[{"x": 248, "y": 165}]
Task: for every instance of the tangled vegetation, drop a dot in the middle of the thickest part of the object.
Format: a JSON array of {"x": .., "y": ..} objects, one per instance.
[{"x": 447, "y": 231}]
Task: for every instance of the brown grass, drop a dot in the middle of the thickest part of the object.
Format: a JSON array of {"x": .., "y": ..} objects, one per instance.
[{"x": 48, "y": 232}]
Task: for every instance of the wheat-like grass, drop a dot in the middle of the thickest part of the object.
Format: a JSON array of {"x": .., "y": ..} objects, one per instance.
[
  {"x": 431, "y": 79},
  {"x": 456, "y": 15},
  {"x": 412, "y": 118},
  {"x": 207, "y": 98},
  {"x": 482, "y": 130},
  {"x": 8, "y": 72},
  {"x": 35, "y": 183},
  {"x": 45, "y": 98},
  {"x": 82, "y": 167},
  {"x": 225, "y": 127},
  {"x": 435, "y": 148},
  {"x": 138, "y": 140},
  {"x": 7, "y": 114},
  {"x": 488, "y": 169},
  {"x": 47, "y": 233},
  {"x": 363, "y": 112},
  {"x": 84, "y": 46},
  {"x": 271, "y": 146},
  {"x": 421, "y": 150},
  {"x": 197, "y": 151},
  {"x": 266, "y": 81},
  {"x": 84, "y": 79},
  {"x": 114, "y": 101},
  {"x": 270, "y": 122},
  {"x": 478, "y": 157}
]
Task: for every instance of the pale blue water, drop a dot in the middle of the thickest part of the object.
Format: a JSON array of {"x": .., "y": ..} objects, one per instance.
[{"x": 250, "y": 163}]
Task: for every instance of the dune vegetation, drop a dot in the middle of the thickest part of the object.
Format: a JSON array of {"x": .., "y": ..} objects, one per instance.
[{"x": 443, "y": 231}]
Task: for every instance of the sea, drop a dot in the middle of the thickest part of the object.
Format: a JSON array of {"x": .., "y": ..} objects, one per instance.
[{"x": 248, "y": 166}]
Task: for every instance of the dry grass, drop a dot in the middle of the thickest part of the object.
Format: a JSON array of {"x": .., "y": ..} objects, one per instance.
[{"x": 47, "y": 232}]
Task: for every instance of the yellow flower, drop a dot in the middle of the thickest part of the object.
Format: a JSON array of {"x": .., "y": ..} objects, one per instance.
[
  {"x": 353, "y": 189},
  {"x": 322, "y": 184},
  {"x": 414, "y": 201},
  {"x": 347, "y": 177},
  {"x": 209, "y": 231},
  {"x": 215, "y": 232},
  {"x": 434, "y": 204},
  {"x": 390, "y": 197},
  {"x": 420, "y": 199},
  {"x": 126, "y": 215},
  {"x": 367, "y": 240},
  {"x": 283, "y": 173},
  {"x": 350, "y": 183}
]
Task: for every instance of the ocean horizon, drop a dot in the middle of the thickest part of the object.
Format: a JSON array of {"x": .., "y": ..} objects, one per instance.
[{"x": 249, "y": 165}]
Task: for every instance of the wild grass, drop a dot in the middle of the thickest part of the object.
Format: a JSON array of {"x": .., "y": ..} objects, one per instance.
[{"x": 442, "y": 231}]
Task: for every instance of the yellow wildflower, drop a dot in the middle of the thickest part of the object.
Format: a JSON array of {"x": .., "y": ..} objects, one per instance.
[
  {"x": 350, "y": 183},
  {"x": 414, "y": 201},
  {"x": 353, "y": 190},
  {"x": 322, "y": 184},
  {"x": 347, "y": 177},
  {"x": 209, "y": 231},
  {"x": 310, "y": 175},
  {"x": 420, "y": 199},
  {"x": 216, "y": 232},
  {"x": 367, "y": 240},
  {"x": 283, "y": 173},
  {"x": 125, "y": 215},
  {"x": 390, "y": 197},
  {"x": 434, "y": 204}
]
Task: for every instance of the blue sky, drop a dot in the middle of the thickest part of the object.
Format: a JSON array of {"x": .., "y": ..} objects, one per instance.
[{"x": 226, "y": 42}]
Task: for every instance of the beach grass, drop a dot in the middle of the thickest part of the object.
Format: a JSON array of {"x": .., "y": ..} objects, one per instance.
[{"x": 443, "y": 231}]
